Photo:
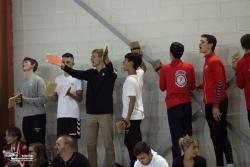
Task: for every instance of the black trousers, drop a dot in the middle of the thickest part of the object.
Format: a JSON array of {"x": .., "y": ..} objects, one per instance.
[
  {"x": 34, "y": 128},
  {"x": 132, "y": 136},
  {"x": 218, "y": 133},
  {"x": 180, "y": 124}
]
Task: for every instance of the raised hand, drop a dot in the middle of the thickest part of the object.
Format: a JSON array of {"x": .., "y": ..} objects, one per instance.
[{"x": 106, "y": 59}]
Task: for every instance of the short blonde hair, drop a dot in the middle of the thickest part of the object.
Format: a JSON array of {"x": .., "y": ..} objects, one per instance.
[
  {"x": 186, "y": 141},
  {"x": 98, "y": 51}
]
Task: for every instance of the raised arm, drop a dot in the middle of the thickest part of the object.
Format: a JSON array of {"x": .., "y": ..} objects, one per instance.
[
  {"x": 109, "y": 66},
  {"x": 163, "y": 80},
  {"x": 157, "y": 66},
  {"x": 79, "y": 74}
]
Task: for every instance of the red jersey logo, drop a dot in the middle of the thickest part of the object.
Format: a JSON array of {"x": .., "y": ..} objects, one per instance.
[{"x": 180, "y": 78}]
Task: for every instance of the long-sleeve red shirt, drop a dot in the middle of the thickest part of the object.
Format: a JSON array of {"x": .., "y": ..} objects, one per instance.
[
  {"x": 214, "y": 80},
  {"x": 243, "y": 76},
  {"x": 178, "y": 79}
]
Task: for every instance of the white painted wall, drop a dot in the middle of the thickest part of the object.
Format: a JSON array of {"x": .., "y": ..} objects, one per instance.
[{"x": 60, "y": 26}]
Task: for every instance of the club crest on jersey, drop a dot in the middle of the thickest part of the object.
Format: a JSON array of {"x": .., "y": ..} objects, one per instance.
[{"x": 180, "y": 78}]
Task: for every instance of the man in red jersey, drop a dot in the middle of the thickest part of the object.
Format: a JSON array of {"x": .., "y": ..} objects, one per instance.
[
  {"x": 242, "y": 70},
  {"x": 178, "y": 79},
  {"x": 215, "y": 99}
]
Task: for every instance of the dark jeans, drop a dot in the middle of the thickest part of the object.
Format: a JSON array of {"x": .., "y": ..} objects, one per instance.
[
  {"x": 132, "y": 136},
  {"x": 180, "y": 124},
  {"x": 218, "y": 133},
  {"x": 34, "y": 128}
]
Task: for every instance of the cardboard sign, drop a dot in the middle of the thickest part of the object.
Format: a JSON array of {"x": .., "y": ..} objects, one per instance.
[
  {"x": 119, "y": 129},
  {"x": 12, "y": 103},
  {"x": 51, "y": 88},
  {"x": 54, "y": 59},
  {"x": 236, "y": 56}
]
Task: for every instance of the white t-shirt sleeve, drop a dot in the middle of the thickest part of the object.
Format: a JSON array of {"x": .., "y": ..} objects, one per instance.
[
  {"x": 162, "y": 162},
  {"x": 79, "y": 84},
  {"x": 131, "y": 87},
  {"x": 137, "y": 164}
]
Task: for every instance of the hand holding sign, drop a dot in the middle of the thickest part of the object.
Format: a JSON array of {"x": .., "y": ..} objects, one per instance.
[
  {"x": 122, "y": 125},
  {"x": 51, "y": 88},
  {"x": 12, "y": 101},
  {"x": 157, "y": 65},
  {"x": 235, "y": 58},
  {"x": 105, "y": 55}
]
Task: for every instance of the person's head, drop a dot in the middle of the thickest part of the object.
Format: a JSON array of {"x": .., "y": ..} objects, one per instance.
[
  {"x": 196, "y": 146},
  {"x": 65, "y": 144},
  {"x": 38, "y": 151},
  {"x": 245, "y": 42},
  {"x": 176, "y": 50},
  {"x": 207, "y": 43},
  {"x": 189, "y": 146},
  {"x": 29, "y": 64},
  {"x": 68, "y": 59},
  {"x": 12, "y": 134},
  {"x": 143, "y": 153},
  {"x": 13, "y": 164},
  {"x": 97, "y": 57},
  {"x": 132, "y": 61},
  {"x": 39, "y": 154}
]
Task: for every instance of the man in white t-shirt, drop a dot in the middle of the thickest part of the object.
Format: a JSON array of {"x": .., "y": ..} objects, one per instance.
[
  {"x": 146, "y": 157},
  {"x": 132, "y": 113},
  {"x": 69, "y": 93}
]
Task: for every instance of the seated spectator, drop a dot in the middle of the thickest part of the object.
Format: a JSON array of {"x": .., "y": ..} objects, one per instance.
[
  {"x": 12, "y": 164},
  {"x": 66, "y": 147},
  {"x": 39, "y": 155},
  {"x": 148, "y": 157},
  {"x": 190, "y": 158},
  {"x": 14, "y": 147}
]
